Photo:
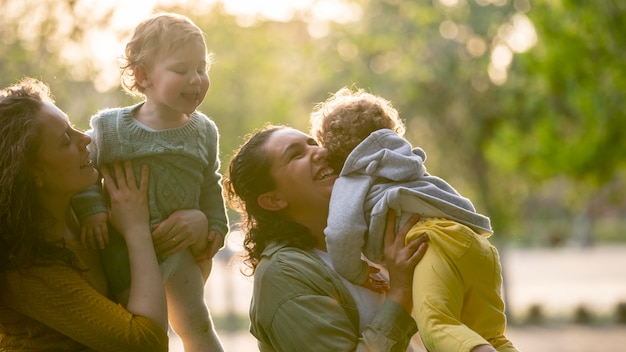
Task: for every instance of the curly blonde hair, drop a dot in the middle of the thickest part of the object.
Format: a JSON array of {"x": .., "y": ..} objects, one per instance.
[
  {"x": 161, "y": 33},
  {"x": 346, "y": 118}
]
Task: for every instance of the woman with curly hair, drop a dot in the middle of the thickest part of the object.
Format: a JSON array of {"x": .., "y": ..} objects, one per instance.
[
  {"x": 53, "y": 292},
  {"x": 280, "y": 182}
]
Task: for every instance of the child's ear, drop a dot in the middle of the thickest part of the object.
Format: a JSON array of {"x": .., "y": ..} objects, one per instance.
[
  {"x": 141, "y": 76},
  {"x": 271, "y": 201}
]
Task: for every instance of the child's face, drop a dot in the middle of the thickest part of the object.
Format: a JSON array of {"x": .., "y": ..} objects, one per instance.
[{"x": 179, "y": 80}]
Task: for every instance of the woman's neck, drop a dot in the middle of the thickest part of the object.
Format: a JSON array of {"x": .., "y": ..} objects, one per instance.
[
  {"x": 60, "y": 220},
  {"x": 317, "y": 230}
]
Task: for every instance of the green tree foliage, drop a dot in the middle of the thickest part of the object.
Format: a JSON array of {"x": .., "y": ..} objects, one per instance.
[
  {"x": 45, "y": 39},
  {"x": 261, "y": 74},
  {"x": 559, "y": 112},
  {"x": 496, "y": 121},
  {"x": 440, "y": 86},
  {"x": 567, "y": 96},
  {"x": 569, "y": 93}
]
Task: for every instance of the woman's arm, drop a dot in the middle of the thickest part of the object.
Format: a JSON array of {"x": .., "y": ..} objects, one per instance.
[
  {"x": 301, "y": 304},
  {"x": 60, "y": 297},
  {"x": 401, "y": 260},
  {"x": 129, "y": 214}
]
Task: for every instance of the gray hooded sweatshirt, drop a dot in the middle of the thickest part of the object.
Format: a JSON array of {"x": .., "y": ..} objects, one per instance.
[{"x": 384, "y": 172}]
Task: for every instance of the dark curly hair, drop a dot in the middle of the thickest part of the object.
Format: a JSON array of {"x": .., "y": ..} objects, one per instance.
[
  {"x": 344, "y": 120},
  {"x": 22, "y": 228},
  {"x": 247, "y": 178}
]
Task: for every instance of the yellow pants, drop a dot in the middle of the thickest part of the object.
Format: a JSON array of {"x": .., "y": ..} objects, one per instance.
[{"x": 457, "y": 289}]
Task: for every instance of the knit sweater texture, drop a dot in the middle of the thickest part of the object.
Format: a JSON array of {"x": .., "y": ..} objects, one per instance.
[
  {"x": 184, "y": 165},
  {"x": 59, "y": 308}
]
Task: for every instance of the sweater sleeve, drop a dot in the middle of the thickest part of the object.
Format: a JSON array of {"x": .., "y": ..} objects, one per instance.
[
  {"x": 347, "y": 227},
  {"x": 211, "y": 196},
  {"x": 60, "y": 298}
]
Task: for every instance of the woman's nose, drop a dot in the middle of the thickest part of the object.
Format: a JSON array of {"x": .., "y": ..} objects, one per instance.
[
  {"x": 319, "y": 153},
  {"x": 85, "y": 139}
]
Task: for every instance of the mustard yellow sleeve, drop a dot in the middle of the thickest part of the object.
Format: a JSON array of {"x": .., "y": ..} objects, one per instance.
[{"x": 59, "y": 297}]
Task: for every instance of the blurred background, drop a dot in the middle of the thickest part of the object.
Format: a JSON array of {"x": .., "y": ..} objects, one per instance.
[{"x": 519, "y": 104}]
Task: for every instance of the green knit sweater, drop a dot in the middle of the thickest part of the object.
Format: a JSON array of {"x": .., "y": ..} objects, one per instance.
[{"x": 184, "y": 165}]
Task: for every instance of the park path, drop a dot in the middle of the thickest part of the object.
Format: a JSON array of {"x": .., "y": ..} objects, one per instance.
[{"x": 557, "y": 279}]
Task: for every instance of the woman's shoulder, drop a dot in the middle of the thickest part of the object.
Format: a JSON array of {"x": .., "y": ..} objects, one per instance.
[
  {"x": 296, "y": 270},
  {"x": 284, "y": 258},
  {"x": 288, "y": 275}
]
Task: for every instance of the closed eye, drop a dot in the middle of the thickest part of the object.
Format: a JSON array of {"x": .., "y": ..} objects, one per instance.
[
  {"x": 66, "y": 140},
  {"x": 295, "y": 154}
]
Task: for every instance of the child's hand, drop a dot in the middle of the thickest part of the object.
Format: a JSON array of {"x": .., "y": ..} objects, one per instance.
[
  {"x": 94, "y": 232},
  {"x": 207, "y": 248},
  {"x": 374, "y": 282},
  {"x": 216, "y": 241},
  {"x": 180, "y": 230},
  {"x": 204, "y": 251}
]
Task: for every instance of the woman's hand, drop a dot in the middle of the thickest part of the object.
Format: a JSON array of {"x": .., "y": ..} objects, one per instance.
[
  {"x": 401, "y": 259},
  {"x": 484, "y": 348},
  {"x": 129, "y": 203},
  {"x": 179, "y": 231},
  {"x": 130, "y": 215}
]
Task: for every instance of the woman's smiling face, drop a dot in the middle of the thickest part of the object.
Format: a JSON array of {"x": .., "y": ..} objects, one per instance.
[
  {"x": 304, "y": 180},
  {"x": 63, "y": 166}
]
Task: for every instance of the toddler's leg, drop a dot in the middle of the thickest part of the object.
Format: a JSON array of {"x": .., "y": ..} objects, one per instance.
[
  {"x": 205, "y": 266},
  {"x": 188, "y": 314}
]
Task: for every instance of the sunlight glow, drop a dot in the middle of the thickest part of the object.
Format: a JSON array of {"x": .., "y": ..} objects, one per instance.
[
  {"x": 519, "y": 33},
  {"x": 448, "y": 29},
  {"x": 516, "y": 36},
  {"x": 491, "y": 2},
  {"x": 476, "y": 46},
  {"x": 347, "y": 50},
  {"x": 277, "y": 10},
  {"x": 102, "y": 48},
  {"x": 501, "y": 56},
  {"x": 497, "y": 75},
  {"x": 449, "y": 3},
  {"x": 336, "y": 11}
]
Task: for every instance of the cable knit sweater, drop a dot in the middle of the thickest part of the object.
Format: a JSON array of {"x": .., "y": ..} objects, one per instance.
[
  {"x": 184, "y": 164},
  {"x": 57, "y": 308}
]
